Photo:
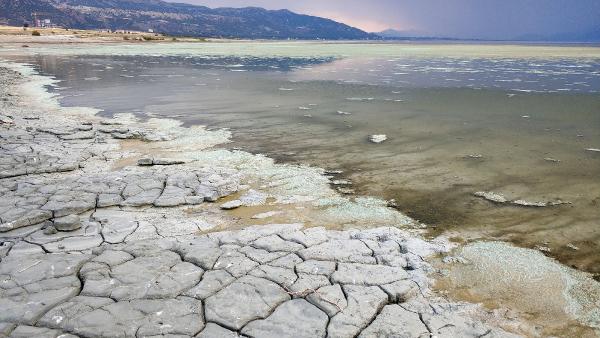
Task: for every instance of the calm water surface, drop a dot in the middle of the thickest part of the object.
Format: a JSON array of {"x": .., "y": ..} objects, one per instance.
[{"x": 459, "y": 119}]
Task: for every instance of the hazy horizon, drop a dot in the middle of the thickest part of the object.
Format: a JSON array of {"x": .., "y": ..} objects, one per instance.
[{"x": 486, "y": 19}]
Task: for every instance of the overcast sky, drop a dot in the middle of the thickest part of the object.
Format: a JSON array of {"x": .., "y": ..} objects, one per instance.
[{"x": 493, "y": 19}]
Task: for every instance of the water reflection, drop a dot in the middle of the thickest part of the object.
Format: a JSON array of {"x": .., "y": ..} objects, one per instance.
[{"x": 454, "y": 126}]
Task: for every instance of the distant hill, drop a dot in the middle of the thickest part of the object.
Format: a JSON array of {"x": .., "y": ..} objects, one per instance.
[
  {"x": 392, "y": 34},
  {"x": 179, "y": 19}
]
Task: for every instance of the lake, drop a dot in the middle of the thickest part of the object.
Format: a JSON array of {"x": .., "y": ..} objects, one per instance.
[{"x": 518, "y": 120}]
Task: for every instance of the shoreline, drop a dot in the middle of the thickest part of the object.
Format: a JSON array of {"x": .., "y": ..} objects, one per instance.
[{"x": 161, "y": 208}]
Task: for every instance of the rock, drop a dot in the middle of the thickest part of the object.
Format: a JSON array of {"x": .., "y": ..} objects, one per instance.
[
  {"x": 231, "y": 205},
  {"x": 294, "y": 319},
  {"x": 253, "y": 198},
  {"x": 401, "y": 291},
  {"x": 24, "y": 331},
  {"x": 116, "y": 225},
  {"x": 451, "y": 324},
  {"x": 378, "y": 138},
  {"x": 247, "y": 299},
  {"x": 594, "y": 150},
  {"x": 261, "y": 256},
  {"x": 330, "y": 299},
  {"x": 275, "y": 243},
  {"x": 27, "y": 218},
  {"x": 537, "y": 204},
  {"x": 282, "y": 276},
  {"x": 71, "y": 203},
  {"x": 50, "y": 230},
  {"x": 339, "y": 250},
  {"x": 267, "y": 214},
  {"x": 394, "y": 321},
  {"x": 203, "y": 252},
  {"x": 366, "y": 274},
  {"x": 364, "y": 302},
  {"x": 33, "y": 284},
  {"x": 145, "y": 161},
  {"x": 213, "y": 330},
  {"x": 316, "y": 267},
  {"x": 158, "y": 161},
  {"x": 67, "y": 223},
  {"x": 160, "y": 275},
  {"x": 491, "y": 196},
  {"x": 307, "y": 284},
  {"x": 289, "y": 261},
  {"x": 307, "y": 237},
  {"x": 103, "y": 317},
  {"x": 235, "y": 263},
  {"x": 211, "y": 283},
  {"x": 167, "y": 161}
]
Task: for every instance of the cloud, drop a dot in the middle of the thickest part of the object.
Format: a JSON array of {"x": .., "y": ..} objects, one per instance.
[{"x": 487, "y": 19}]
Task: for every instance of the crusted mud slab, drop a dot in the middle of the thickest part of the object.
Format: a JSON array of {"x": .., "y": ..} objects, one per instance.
[{"x": 100, "y": 239}]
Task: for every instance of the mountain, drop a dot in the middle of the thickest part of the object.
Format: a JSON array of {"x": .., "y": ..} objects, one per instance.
[
  {"x": 179, "y": 19},
  {"x": 413, "y": 35},
  {"x": 393, "y": 34}
]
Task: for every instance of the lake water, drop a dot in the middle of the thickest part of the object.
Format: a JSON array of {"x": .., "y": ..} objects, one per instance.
[{"x": 511, "y": 119}]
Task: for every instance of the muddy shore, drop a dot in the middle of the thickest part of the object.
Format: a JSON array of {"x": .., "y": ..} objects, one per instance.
[{"x": 117, "y": 227}]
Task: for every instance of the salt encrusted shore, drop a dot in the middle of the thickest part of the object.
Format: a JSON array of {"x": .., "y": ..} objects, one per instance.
[{"x": 94, "y": 245}]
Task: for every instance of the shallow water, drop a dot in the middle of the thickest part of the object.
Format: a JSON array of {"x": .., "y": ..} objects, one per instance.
[{"x": 459, "y": 119}]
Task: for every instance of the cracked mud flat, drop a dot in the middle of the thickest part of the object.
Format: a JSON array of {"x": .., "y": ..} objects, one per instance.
[{"x": 93, "y": 245}]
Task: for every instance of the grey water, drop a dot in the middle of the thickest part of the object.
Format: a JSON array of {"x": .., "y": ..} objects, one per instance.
[{"x": 459, "y": 119}]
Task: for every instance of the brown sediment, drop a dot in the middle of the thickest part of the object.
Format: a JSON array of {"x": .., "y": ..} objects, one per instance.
[{"x": 553, "y": 325}]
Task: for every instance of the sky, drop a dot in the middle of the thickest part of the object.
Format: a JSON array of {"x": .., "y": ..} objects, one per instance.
[{"x": 482, "y": 19}]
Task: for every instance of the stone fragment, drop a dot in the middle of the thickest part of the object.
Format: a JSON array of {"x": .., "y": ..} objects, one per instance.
[
  {"x": 213, "y": 330},
  {"x": 261, "y": 256},
  {"x": 27, "y": 218},
  {"x": 339, "y": 250},
  {"x": 116, "y": 225},
  {"x": 330, "y": 299},
  {"x": 491, "y": 196},
  {"x": 307, "y": 237},
  {"x": 24, "y": 331},
  {"x": 312, "y": 267},
  {"x": 235, "y": 263},
  {"x": 288, "y": 261},
  {"x": 394, "y": 321},
  {"x": 203, "y": 252},
  {"x": 67, "y": 204},
  {"x": 306, "y": 284},
  {"x": 103, "y": 317},
  {"x": 282, "y": 276},
  {"x": 294, "y": 319},
  {"x": 364, "y": 302},
  {"x": 401, "y": 291},
  {"x": 378, "y": 138},
  {"x": 231, "y": 205},
  {"x": 267, "y": 214},
  {"x": 31, "y": 285},
  {"x": 253, "y": 198},
  {"x": 367, "y": 274},
  {"x": 67, "y": 223},
  {"x": 162, "y": 275},
  {"x": 212, "y": 282},
  {"x": 275, "y": 243},
  {"x": 249, "y": 298},
  {"x": 108, "y": 200}
]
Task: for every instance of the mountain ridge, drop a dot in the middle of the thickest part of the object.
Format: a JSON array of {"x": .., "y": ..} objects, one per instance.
[{"x": 180, "y": 19}]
